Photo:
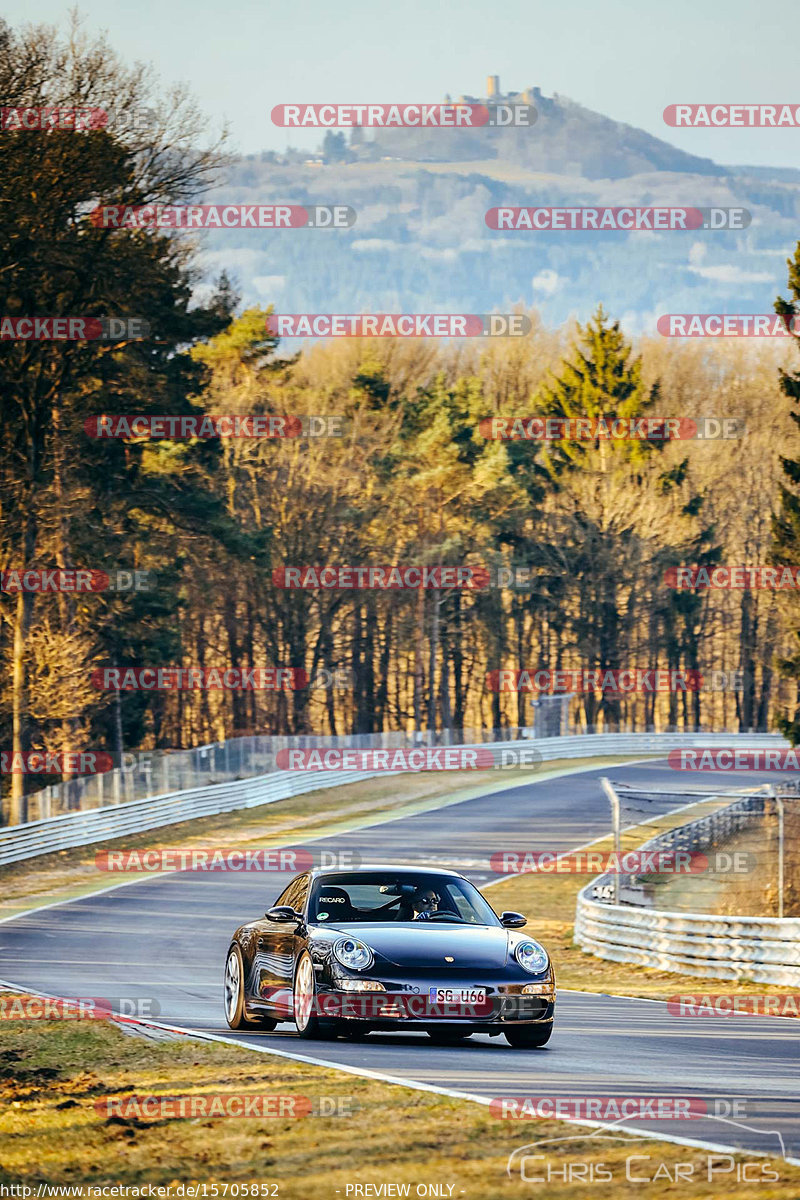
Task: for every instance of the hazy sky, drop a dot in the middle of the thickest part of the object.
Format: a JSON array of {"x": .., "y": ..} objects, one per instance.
[{"x": 627, "y": 60}]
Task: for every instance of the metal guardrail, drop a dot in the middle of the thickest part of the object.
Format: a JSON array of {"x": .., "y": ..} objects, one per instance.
[
  {"x": 762, "y": 949},
  {"x": 153, "y": 812},
  {"x": 145, "y": 773}
]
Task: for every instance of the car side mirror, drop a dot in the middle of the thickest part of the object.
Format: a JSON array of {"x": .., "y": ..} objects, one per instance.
[
  {"x": 283, "y": 912},
  {"x": 512, "y": 920}
]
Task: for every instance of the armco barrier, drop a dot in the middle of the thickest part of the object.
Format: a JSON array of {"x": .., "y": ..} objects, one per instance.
[
  {"x": 764, "y": 949},
  {"x": 153, "y": 812},
  {"x": 141, "y": 774}
]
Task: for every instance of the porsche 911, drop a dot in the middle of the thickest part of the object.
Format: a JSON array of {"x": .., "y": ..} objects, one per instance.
[{"x": 386, "y": 948}]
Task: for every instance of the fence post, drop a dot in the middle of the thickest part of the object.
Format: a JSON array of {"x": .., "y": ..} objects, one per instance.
[
  {"x": 613, "y": 800},
  {"x": 779, "y": 803}
]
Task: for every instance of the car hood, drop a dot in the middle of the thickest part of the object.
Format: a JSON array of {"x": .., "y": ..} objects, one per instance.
[{"x": 425, "y": 944}]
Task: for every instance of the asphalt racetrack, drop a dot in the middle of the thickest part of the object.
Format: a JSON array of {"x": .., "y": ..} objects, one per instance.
[{"x": 166, "y": 936}]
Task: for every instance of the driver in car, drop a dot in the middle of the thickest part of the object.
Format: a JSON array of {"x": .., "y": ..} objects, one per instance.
[{"x": 425, "y": 902}]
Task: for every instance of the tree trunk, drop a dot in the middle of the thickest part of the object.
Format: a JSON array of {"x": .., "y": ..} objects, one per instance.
[
  {"x": 432, "y": 657},
  {"x": 459, "y": 698},
  {"x": 419, "y": 670}
]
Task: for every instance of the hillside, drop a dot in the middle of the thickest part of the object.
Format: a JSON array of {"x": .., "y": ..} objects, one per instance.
[{"x": 420, "y": 242}]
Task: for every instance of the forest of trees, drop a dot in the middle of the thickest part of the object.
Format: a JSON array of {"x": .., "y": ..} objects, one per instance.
[{"x": 412, "y": 480}]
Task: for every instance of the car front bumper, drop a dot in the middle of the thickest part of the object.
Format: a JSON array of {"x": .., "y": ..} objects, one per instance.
[{"x": 400, "y": 1006}]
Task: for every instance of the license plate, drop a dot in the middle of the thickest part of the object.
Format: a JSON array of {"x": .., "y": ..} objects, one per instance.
[{"x": 457, "y": 995}]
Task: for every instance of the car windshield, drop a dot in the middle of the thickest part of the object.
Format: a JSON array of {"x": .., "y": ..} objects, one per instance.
[{"x": 397, "y": 896}]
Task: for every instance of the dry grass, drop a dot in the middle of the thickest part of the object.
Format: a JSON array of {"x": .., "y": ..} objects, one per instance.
[{"x": 51, "y": 1074}]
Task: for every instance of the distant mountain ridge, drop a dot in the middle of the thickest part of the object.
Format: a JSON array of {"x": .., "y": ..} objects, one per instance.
[{"x": 421, "y": 244}]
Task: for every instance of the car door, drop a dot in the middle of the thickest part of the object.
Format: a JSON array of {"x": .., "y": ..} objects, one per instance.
[{"x": 275, "y": 953}]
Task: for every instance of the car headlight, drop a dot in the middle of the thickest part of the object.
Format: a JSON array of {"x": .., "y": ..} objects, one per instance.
[
  {"x": 353, "y": 954},
  {"x": 531, "y": 957}
]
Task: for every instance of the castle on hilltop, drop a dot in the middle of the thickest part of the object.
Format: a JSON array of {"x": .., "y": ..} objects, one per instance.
[
  {"x": 530, "y": 95},
  {"x": 425, "y": 145}
]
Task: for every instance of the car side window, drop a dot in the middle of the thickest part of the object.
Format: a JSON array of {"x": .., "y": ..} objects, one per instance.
[
  {"x": 295, "y": 894},
  {"x": 461, "y": 905},
  {"x": 282, "y": 899}
]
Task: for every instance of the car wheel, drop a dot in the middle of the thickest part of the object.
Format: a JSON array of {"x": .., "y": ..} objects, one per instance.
[
  {"x": 445, "y": 1035},
  {"x": 306, "y": 1020},
  {"x": 234, "y": 989},
  {"x": 235, "y": 1013},
  {"x": 528, "y": 1037}
]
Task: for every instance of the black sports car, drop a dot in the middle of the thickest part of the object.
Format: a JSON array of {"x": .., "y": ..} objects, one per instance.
[{"x": 346, "y": 952}]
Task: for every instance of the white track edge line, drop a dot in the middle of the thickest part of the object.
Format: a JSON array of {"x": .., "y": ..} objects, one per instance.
[{"x": 414, "y": 1085}]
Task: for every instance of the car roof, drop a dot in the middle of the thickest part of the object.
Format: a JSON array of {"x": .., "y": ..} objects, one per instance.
[{"x": 369, "y": 868}]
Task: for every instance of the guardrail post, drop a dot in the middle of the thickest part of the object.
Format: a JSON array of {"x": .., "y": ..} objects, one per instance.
[
  {"x": 613, "y": 799},
  {"x": 779, "y": 803}
]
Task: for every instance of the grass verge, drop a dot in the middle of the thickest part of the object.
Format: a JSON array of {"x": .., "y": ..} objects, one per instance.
[{"x": 52, "y": 1074}]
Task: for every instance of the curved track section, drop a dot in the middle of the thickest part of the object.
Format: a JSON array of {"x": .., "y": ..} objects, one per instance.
[{"x": 165, "y": 938}]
